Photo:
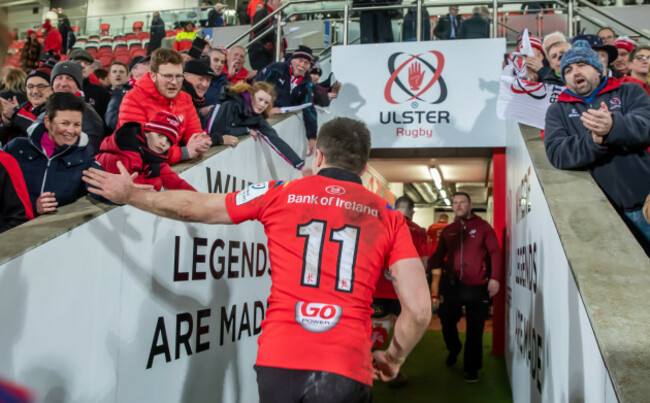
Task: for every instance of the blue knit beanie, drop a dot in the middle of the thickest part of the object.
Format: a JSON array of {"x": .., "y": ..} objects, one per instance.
[{"x": 581, "y": 52}]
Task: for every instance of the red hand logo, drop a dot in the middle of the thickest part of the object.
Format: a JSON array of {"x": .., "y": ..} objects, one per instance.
[{"x": 416, "y": 76}]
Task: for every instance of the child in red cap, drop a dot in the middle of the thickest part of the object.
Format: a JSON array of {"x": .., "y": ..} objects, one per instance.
[{"x": 144, "y": 150}]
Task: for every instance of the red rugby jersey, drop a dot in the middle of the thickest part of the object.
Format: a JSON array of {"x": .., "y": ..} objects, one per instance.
[
  {"x": 328, "y": 238},
  {"x": 384, "y": 288}
]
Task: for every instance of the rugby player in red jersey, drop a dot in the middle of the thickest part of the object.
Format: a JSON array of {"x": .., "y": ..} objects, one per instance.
[
  {"x": 385, "y": 302},
  {"x": 328, "y": 240}
]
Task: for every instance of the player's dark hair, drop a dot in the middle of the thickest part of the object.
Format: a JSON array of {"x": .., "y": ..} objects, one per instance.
[
  {"x": 345, "y": 143},
  {"x": 63, "y": 101},
  {"x": 405, "y": 200},
  {"x": 469, "y": 199}
]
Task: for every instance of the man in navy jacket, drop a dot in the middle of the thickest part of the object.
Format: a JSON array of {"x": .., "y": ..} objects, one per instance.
[
  {"x": 294, "y": 87},
  {"x": 603, "y": 126}
]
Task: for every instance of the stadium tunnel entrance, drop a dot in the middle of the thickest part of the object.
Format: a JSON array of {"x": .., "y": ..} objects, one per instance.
[{"x": 430, "y": 176}]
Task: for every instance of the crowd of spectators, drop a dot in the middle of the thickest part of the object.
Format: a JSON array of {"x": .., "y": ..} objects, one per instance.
[
  {"x": 216, "y": 99},
  {"x": 600, "y": 122},
  {"x": 62, "y": 117}
]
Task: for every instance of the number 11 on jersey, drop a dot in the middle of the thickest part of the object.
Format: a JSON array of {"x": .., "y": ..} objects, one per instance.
[{"x": 348, "y": 239}]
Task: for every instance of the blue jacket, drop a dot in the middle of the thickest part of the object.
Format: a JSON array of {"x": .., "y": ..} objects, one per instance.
[
  {"x": 621, "y": 165},
  {"x": 279, "y": 75},
  {"x": 213, "y": 94},
  {"x": 60, "y": 174}
]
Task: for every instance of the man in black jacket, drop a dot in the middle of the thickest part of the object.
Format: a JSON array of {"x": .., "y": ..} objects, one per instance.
[
  {"x": 448, "y": 27},
  {"x": 475, "y": 27},
  {"x": 198, "y": 75},
  {"x": 96, "y": 95},
  {"x": 157, "y": 32},
  {"x": 603, "y": 126},
  {"x": 262, "y": 52},
  {"x": 138, "y": 67},
  {"x": 294, "y": 87},
  {"x": 375, "y": 25}
]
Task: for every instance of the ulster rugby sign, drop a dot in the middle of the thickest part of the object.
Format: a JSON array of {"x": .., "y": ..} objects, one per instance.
[{"x": 426, "y": 94}]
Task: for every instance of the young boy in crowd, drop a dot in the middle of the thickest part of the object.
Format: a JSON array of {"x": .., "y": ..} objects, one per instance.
[{"x": 144, "y": 150}]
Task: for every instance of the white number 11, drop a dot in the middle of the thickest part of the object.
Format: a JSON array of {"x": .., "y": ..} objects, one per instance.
[{"x": 348, "y": 239}]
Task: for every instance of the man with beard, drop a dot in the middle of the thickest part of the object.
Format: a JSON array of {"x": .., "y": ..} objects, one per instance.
[
  {"x": 161, "y": 90},
  {"x": 603, "y": 126}
]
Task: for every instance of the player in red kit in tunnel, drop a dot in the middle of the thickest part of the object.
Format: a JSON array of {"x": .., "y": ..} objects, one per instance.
[{"x": 385, "y": 301}]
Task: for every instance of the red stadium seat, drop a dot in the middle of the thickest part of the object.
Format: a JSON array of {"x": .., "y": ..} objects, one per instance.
[
  {"x": 104, "y": 28},
  {"x": 121, "y": 53},
  {"x": 94, "y": 38},
  {"x": 137, "y": 26},
  {"x": 143, "y": 35},
  {"x": 131, "y": 37},
  {"x": 136, "y": 49},
  {"x": 105, "y": 55}
]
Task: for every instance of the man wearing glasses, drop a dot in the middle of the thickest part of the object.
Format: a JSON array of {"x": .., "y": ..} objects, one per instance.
[
  {"x": 449, "y": 26},
  {"x": 161, "y": 90},
  {"x": 639, "y": 59},
  {"x": 607, "y": 35}
]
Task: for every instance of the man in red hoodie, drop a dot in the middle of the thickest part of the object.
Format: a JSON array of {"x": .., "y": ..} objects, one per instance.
[
  {"x": 161, "y": 90},
  {"x": 468, "y": 278}
]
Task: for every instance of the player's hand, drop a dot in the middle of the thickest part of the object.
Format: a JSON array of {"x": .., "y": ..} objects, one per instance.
[
  {"x": 229, "y": 140},
  {"x": 383, "y": 369},
  {"x": 311, "y": 145},
  {"x": 276, "y": 111},
  {"x": 198, "y": 144},
  {"x": 46, "y": 203},
  {"x": 114, "y": 187},
  {"x": 435, "y": 303},
  {"x": 599, "y": 121},
  {"x": 254, "y": 133},
  {"x": 493, "y": 287}
]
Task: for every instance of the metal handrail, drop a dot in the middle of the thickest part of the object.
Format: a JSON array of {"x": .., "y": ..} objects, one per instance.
[
  {"x": 346, "y": 9},
  {"x": 609, "y": 15}
]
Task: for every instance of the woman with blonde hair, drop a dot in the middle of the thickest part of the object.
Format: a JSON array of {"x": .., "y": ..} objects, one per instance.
[
  {"x": 244, "y": 110},
  {"x": 13, "y": 86}
]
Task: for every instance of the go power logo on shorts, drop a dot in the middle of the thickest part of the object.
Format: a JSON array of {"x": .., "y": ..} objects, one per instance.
[
  {"x": 413, "y": 80},
  {"x": 316, "y": 317}
]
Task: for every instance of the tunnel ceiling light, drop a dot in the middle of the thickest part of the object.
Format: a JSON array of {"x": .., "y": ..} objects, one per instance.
[
  {"x": 435, "y": 175},
  {"x": 443, "y": 193},
  {"x": 447, "y": 202}
]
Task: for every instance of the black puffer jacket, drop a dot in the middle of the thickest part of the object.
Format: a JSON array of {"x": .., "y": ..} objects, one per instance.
[{"x": 236, "y": 117}]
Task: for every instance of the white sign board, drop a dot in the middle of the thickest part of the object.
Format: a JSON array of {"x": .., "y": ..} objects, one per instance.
[
  {"x": 551, "y": 350},
  {"x": 130, "y": 307},
  {"x": 423, "y": 94}
]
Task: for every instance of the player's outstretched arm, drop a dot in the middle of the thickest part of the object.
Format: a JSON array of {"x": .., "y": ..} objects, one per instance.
[
  {"x": 410, "y": 284},
  {"x": 180, "y": 205}
]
